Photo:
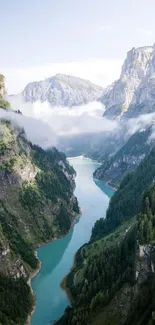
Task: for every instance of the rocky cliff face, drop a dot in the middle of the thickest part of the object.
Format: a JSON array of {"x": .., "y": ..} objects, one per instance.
[
  {"x": 125, "y": 92},
  {"x": 144, "y": 99},
  {"x": 126, "y": 159},
  {"x": 60, "y": 90}
]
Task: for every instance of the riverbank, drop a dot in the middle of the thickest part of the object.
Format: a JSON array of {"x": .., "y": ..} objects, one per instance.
[
  {"x": 114, "y": 188},
  {"x": 63, "y": 283},
  {"x": 34, "y": 274},
  {"x": 64, "y": 287},
  {"x": 84, "y": 157}
]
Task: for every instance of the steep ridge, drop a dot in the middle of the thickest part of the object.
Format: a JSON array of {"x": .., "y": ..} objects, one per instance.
[
  {"x": 112, "y": 280},
  {"x": 118, "y": 97},
  {"x": 37, "y": 204},
  {"x": 59, "y": 90},
  {"x": 144, "y": 102},
  {"x": 126, "y": 159},
  {"x": 133, "y": 93}
]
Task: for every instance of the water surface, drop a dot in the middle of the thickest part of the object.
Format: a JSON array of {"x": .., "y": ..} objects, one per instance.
[{"x": 57, "y": 256}]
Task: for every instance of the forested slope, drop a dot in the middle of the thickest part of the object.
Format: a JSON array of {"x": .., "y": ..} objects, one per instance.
[
  {"x": 36, "y": 204},
  {"x": 112, "y": 281},
  {"x": 127, "y": 200}
]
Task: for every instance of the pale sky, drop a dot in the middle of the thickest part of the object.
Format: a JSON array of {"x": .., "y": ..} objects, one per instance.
[{"x": 86, "y": 38}]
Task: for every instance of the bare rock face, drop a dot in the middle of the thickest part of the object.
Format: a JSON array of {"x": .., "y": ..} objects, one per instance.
[
  {"x": 125, "y": 91},
  {"x": 60, "y": 90},
  {"x": 144, "y": 99}
]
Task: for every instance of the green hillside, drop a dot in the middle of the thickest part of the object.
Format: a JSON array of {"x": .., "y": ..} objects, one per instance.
[
  {"x": 36, "y": 204},
  {"x": 112, "y": 281}
]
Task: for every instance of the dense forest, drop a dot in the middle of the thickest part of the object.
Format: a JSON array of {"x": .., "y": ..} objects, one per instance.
[
  {"x": 17, "y": 243},
  {"x": 146, "y": 218},
  {"x": 103, "y": 273},
  {"x": 127, "y": 200},
  {"x": 15, "y": 300}
]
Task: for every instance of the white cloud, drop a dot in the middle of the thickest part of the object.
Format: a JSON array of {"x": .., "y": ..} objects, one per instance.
[
  {"x": 145, "y": 31},
  {"x": 140, "y": 123},
  {"x": 37, "y": 131},
  {"x": 43, "y": 124},
  {"x": 102, "y": 72},
  {"x": 64, "y": 120}
]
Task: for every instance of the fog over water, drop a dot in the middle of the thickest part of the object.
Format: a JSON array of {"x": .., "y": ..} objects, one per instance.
[{"x": 43, "y": 124}]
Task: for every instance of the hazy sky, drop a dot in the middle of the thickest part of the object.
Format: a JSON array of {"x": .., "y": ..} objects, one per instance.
[{"x": 87, "y": 38}]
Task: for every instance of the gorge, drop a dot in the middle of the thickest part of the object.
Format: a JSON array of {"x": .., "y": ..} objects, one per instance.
[
  {"x": 106, "y": 260},
  {"x": 57, "y": 257}
]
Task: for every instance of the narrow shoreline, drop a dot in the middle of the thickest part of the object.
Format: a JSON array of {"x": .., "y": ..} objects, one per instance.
[
  {"x": 64, "y": 287},
  {"x": 84, "y": 157},
  {"x": 34, "y": 274},
  {"x": 106, "y": 183},
  {"x": 63, "y": 284}
]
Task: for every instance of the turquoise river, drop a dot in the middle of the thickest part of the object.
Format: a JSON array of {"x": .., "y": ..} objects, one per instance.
[{"x": 57, "y": 256}]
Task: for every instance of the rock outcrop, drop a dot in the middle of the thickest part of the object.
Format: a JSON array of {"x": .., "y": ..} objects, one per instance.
[{"x": 126, "y": 159}]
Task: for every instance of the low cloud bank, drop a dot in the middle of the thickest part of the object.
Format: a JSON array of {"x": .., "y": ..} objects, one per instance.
[
  {"x": 142, "y": 123},
  {"x": 37, "y": 131},
  {"x": 44, "y": 124},
  {"x": 64, "y": 120}
]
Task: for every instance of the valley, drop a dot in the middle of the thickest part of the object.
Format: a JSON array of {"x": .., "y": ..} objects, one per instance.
[
  {"x": 57, "y": 257},
  {"x": 86, "y": 223}
]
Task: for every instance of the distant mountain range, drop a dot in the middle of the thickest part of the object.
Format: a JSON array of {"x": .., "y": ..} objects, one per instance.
[
  {"x": 131, "y": 96},
  {"x": 59, "y": 90}
]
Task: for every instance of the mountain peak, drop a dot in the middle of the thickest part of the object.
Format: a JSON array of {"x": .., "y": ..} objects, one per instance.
[
  {"x": 61, "y": 90},
  {"x": 138, "y": 64}
]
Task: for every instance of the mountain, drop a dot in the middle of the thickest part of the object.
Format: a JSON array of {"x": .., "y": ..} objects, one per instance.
[
  {"x": 126, "y": 159},
  {"x": 137, "y": 69},
  {"x": 3, "y": 103},
  {"x": 59, "y": 90},
  {"x": 144, "y": 101},
  {"x": 112, "y": 280},
  {"x": 37, "y": 204}
]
